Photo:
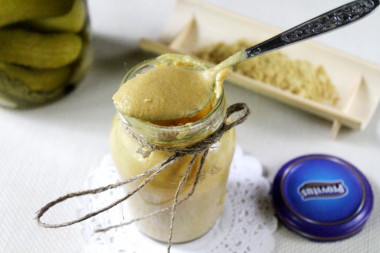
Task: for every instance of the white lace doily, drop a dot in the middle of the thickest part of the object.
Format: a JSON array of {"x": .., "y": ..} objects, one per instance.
[{"x": 246, "y": 224}]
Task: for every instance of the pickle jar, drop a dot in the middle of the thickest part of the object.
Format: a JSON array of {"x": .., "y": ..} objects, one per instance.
[
  {"x": 44, "y": 50},
  {"x": 195, "y": 216}
]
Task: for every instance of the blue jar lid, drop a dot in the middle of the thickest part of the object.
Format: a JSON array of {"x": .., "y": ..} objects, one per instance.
[{"x": 322, "y": 197}]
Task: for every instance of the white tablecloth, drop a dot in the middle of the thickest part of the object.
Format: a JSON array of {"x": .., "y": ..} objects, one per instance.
[{"x": 46, "y": 152}]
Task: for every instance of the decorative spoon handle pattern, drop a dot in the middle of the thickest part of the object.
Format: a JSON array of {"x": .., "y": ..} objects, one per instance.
[{"x": 326, "y": 22}]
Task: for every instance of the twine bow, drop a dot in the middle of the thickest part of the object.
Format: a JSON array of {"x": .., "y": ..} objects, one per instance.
[{"x": 199, "y": 148}]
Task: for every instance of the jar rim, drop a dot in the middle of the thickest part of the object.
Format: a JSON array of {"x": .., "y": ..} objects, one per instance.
[
  {"x": 147, "y": 62},
  {"x": 192, "y": 127}
]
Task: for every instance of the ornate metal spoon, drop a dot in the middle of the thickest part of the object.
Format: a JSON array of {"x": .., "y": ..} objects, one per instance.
[
  {"x": 326, "y": 22},
  {"x": 336, "y": 18}
]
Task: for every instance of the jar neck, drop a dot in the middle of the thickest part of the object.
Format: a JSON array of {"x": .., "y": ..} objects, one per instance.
[
  {"x": 174, "y": 136},
  {"x": 177, "y": 136}
]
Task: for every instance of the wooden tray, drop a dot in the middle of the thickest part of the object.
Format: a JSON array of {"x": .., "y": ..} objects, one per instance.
[{"x": 194, "y": 24}]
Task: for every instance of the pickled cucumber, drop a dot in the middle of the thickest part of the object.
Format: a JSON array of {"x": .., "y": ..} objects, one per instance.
[
  {"x": 32, "y": 85},
  {"x": 12, "y": 11},
  {"x": 23, "y": 47},
  {"x": 37, "y": 79},
  {"x": 70, "y": 22},
  {"x": 80, "y": 68}
]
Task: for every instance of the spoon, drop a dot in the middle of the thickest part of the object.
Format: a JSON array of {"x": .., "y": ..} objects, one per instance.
[
  {"x": 331, "y": 20},
  {"x": 203, "y": 85}
]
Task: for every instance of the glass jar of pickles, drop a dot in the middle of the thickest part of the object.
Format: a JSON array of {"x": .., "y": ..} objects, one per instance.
[
  {"x": 44, "y": 50},
  {"x": 195, "y": 216}
]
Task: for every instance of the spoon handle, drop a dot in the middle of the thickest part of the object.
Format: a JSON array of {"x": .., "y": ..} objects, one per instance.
[{"x": 336, "y": 18}]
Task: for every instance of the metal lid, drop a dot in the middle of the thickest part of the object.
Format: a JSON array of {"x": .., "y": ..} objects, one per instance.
[{"x": 322, "y": 197}]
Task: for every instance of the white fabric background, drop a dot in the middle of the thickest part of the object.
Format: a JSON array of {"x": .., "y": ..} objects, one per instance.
[{"x": 46, "y": 152}]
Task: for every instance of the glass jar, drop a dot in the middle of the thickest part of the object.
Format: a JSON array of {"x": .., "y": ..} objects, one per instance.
[
  {"x": 44, "y": 50},
  {"x": 197, "y": 215}
]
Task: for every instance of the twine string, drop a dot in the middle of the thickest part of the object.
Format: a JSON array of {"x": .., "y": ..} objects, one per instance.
[
  {"x": 175, "y": 202},
  {"x": 200, "y": 146},
  {"x": 195, "y": 149},
  {"x": 157, "y": 169},
  {"x": 203, "y": 159},
  {"x": 197, "y": 177}
]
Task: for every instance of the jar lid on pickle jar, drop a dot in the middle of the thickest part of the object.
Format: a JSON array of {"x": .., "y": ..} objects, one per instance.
[{"x": 322, "y": 197}]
